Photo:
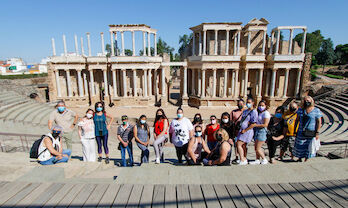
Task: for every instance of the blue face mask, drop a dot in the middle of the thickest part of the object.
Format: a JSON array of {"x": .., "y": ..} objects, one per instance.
[
  {"x": 61, "y": 109},
  {"x": 180, "y": 115},
  {"x": 278, "y": 115},
  {"x": 248, "y": 105},
  {"x": 198, "y": 133},
  {"x": 142, "y": 121},
  {"x": 99, "y": 109}
]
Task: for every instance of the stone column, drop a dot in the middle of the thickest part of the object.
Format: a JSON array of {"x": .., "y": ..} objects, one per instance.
[
  {"x": 233, "y": 76},
  {"x": 236, "y": 84},
  {"x": 122, "y": 43},
  {"x": 133, "y": 43},
  {"x": 298, "y": 79},
  {"x": 238, "y": 45},
  {"x": 89, "y": 44},
  {"x": 155, "y": 82},
  {"x": 76, "y": 46},
  {"x": 246, "y": 80},
  {"x": 227, "y": 41},
  {"x": 79, "y": 82},
  {"x": 53, "y": 47},
  {"x": 304, "y": 41},
  {"x": 102, "y": 43},
  {"x": 85, "y": 84},
  {"x": 193, "y": 81},
  {"x": 200, "y": 44},
  {"x": 114, "y": 84},
  {"x": 112, "y": 43},
  {"x": 264, "y": 42},
  {"x": 225, "y": 83},
  {"x": 163, "y": 80},
  {"x": 268, "y": 80},
  {"x": 271, "y": 47},
  {"x": 116, "y": 52},
  {"x": 273, "y": 82},
  {"x": 248, "y": 47},
  {"x": 203, "y": 83},
  {"x": 155, "y": 43},
  {"x": 204, "y": 42},
  {"x": 91, "y": 77},
  {"x": 235, "y": 43},
  {"x": 144, "y": 44},
  {"x": 199, "y": 80},
  {"x": 145, "y": 82},
  {"x": 216, "y": 42},
  {"x": 64, "y": 44},
  {"x": 148, "y": 44},
  {"x": 124, "y": 82},
  {"x": 185, "y": 82},
  {"x": 82, "y": 49},
  {"x": 68, "y": 82},
  {"x": 259, "y": 93},
  {"x": 285, "y": 89},
  {"x": 290, "y": 41},
  {"x": 135, "y": 82},
  {"x": 149, "y": 83},
  {"x": 194, "y": 44},
  {"x": 106, "y": 90},
  {"x": 59, "y": 92},
  {"x": 214, "y": 83},
  {"x": 277, "y": 43}
]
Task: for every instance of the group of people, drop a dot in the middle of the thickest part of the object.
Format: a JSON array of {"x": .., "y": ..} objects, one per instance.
[{"x": 294, "y": 128}]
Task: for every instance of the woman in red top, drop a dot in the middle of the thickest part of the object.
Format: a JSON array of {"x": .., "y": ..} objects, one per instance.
[
  {"x": 210, "y": 130},
  {"x": 161, "y": 125}
]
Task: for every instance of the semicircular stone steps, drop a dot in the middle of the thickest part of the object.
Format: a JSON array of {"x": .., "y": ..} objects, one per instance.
[
  {"x": 31, "y": 111},
  {"x": 332, "y": 125},
  {"x": 36, "y": 118},
  {"x": 15, "y": 107},
  {"x": 15, "y": 113},
  {"x": 342, "y": 98}
]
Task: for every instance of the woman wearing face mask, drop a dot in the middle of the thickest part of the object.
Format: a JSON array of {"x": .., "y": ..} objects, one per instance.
[
  {"x": 210, "y": 130},
  {"x": 196, "y": 145},
  {"x": 226, "y": 124},
  {"x": 246, "y": 134},
  {"x": 87, "y": 136},
  {"x": 236, "y": 116},
  {"x": 101, "y": 130},
  {"x": 309, "y": 118},
  {"x": 142, "y": 134},
  {"x": 221, "y": 154},
  {"x": 276, "y": 132},
  {"x": 198, "y": 121},
  {"x": 260, "y": 132},
  {"x": 180, "y": 132},
  {"x": 161, "y": 125}
]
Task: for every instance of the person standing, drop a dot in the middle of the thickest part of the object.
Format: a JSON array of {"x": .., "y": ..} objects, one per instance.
[
  {"x": 309, "y": 118},
  {"x": 180, "y": 132},
  {"x": 65, "y": 118},
  {"x": 210, "y": 130},
  {"x": 260, "y": 133},
  {"x": 276, "y": 132},
  {"x": 142, "y": 135},
  {"x": 87, "y": 136},
  {"x": 102, "y": 128},
  {"x": 290, "y": 130},
  {"x": 161, "y": 126},
  {"x": 198, "y": 121},
  {"x": 125, "y": 136},
  {"x": 246, "y": 134},
  {"x": 236, "y": 116}
]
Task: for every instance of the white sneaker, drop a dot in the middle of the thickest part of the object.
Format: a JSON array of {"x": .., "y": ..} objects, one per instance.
[
  {"x": 157, "y": 161},
  {"x": 256, "y": 162},
  {"x": 264, "y": 162},
  {"x": 245, "y": 162}
]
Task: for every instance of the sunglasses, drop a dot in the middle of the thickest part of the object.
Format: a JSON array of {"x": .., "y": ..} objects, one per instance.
[
  {"x": 56, "y": 132},
  {"x": 198, "y": 131}
]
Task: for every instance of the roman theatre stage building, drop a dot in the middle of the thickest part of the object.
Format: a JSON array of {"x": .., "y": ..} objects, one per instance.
[{"x": 225, "y": 62}]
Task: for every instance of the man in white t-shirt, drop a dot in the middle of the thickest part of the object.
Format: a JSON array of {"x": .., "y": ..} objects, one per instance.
[{"x": 180, "y": 132}]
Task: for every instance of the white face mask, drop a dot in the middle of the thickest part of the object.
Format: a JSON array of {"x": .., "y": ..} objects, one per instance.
[
  {"x": 213, "y": 121},
  {"x": 89, "y": 115},
  {"x": 225, "y": 120}
]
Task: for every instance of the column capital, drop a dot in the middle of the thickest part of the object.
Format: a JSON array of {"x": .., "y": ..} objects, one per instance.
[
  {"x": 123, "y": 69},
  {"x": 134, "y": 69},
  {"x": 78, "y": 69},
  {"x": 287, "y": 69},
  {"x": 104, "y": 69},
  {"x": 204, "y": 69},
  {"x": 66, "y": 70}
]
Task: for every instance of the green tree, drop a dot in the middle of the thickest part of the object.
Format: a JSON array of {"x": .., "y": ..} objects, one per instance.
[
  {"x": 108, "y": 49},
  {"x": 128, "y": 52},
  {"x": 163, "y": 47},
  {"x": 341, "y": 52},
  {"x": 313, "y": 41},
  {"x": 184, "y": 42},
  {"x": 326, "y": 54}
]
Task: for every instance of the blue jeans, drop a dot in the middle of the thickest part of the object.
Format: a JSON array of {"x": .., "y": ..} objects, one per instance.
[
  {"x": 123, "y": 155},
  {"x": 53, "y": 160},
  {"x": 260, "y": 134},
  {"x": 211, "y": 145}
]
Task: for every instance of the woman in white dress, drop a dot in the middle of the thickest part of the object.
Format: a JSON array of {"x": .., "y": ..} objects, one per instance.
[{"x": 87, "y": 136}]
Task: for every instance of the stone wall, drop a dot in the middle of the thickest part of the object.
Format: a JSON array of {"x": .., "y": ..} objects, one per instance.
[{"x": 306, "y": 79}]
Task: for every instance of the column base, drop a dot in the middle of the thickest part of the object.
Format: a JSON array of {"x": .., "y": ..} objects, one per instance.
[
  {"x": 184, "y": 101},
  {"x": 164, "y": 101}
]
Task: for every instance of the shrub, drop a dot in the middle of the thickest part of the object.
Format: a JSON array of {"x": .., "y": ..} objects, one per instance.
[{"x": 23, "y": 76}]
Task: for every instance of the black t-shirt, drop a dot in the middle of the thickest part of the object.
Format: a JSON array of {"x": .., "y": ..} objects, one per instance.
[
  {"x": 276, "y": 129},
  {"x": 228, "y": 128}
]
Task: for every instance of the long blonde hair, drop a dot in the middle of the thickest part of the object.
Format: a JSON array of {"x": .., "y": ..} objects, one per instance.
[
  {"x": 224, "y": 134},
  {"x": 303, "y": 100}
]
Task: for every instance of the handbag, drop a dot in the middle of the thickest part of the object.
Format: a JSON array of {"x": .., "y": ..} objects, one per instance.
[
  {"x": 308, "y": 133},
  {"x": 239, "y": 124}
]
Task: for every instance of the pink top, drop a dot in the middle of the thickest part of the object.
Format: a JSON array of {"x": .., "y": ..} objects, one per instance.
[{"x": 196, "y": 149}]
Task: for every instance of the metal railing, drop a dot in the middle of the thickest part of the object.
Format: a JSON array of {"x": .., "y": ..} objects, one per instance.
[
  {"x": 12, "y": 142},
  {"x": 331, "y": 92}
]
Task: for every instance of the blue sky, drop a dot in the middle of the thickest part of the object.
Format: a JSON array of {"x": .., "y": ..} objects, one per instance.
[{"x": 28, "y": 26}]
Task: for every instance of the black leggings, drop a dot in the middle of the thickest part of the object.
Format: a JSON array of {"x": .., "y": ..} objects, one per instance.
[
  {"x": 272, "y": 146},
  {"x": 181, "y": 151}
]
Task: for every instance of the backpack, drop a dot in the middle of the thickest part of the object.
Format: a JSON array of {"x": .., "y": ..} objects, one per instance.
[{"x": 34, "y": 151}]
